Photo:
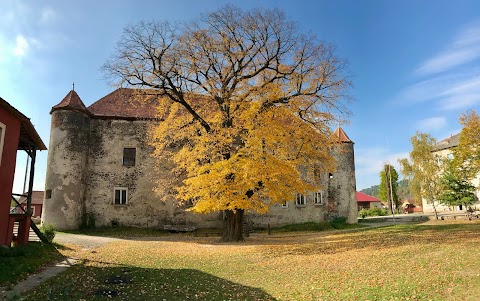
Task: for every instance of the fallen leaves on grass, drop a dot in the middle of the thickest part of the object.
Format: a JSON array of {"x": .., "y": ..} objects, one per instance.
[{"x": 413, "y": 262}]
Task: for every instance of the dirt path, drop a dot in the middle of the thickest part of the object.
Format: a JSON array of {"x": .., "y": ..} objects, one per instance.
[{"x": 85, "y": 241}]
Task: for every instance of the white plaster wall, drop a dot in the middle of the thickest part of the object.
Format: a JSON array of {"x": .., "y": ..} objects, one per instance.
[{"x": 428, "y": 207}]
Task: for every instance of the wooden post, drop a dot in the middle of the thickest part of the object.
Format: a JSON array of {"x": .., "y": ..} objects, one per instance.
[{"x": 33, "y": 152}]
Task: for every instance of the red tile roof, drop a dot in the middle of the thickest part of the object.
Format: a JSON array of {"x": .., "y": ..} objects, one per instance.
[
  {"x": 37, "y": 198},
  {"x": 340, "y": 136},
  {"x": 362, "y": 197},
  {"x": 127, "y": 103},
  {"x": 72, "y": 102}
]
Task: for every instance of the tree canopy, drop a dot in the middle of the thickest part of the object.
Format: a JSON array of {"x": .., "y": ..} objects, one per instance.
[
  {"x": 423, "y": 169},
  {"x": 388, "y": 187},
  {"x": 248, "y": 103},
  {"x": 456, "y": 189},
  {"x": 467, "y": 154}
]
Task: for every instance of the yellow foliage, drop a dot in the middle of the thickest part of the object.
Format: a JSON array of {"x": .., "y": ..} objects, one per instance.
[
  {"x": 264, "y": 156},
  {"x": 467, "y": 153}
]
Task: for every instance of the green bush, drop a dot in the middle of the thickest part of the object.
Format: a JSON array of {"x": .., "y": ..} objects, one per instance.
[
  {"x": 363, "y": 213},
  {"x": 378, "y": 211},
  {"x": 48, "y": 231},
  {"x": 372, "y": 212}
]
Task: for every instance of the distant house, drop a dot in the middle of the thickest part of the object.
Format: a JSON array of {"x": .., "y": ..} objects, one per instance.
[
  {"x": 410, "y": 207},
  {"x": 37, "y": 203},
  {"x": 365, "y": 201}
]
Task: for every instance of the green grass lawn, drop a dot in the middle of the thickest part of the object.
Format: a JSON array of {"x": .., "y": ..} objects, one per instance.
[
  {"x": 404, "y": 262},
  {"x": 18, "y": 262}
]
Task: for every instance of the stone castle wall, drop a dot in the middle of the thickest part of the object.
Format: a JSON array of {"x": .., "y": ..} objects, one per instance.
[
  {"x": 144, "y": 207},
  {"x": 85, "y": 166},
  {"x": 66, "y": 164}
]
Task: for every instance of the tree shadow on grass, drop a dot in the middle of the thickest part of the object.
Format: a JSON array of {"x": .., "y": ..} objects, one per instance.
[{"x": 134, "y": 283}]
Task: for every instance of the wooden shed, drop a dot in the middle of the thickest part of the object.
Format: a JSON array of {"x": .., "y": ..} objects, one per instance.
[{"x": 16, "y": 133}]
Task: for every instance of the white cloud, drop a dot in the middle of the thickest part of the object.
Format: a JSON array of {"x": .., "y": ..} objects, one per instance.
[
  {"x": 465, "y": 48},
  {"x": 370, "y": 161},
  {"x": 451, "y": 91},
  {"x": 47, "y": 15},
  {"x": 431, "y": 124},
  {"x": 21, "y": 46}
]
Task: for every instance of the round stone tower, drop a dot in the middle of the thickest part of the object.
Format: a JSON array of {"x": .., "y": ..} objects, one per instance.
[
  {"x": 67, "y": 163},
  {"x": 342, "y": 195}
]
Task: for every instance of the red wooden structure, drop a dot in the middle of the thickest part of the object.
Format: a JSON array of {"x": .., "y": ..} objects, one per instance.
[
  {"x": 37, "y": 203},
  {"x": 16, "y": 133}
]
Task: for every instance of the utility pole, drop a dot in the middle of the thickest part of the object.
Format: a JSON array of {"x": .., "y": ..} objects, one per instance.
[{"x": 391, "y": 191}]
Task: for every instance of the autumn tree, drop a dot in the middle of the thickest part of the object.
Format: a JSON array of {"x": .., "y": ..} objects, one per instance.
[
  {"x": 388, "y": 187},
  {"x": 247, "y": 105},
  {"x": 423, "y": 169},
  {"x": 466, "y": 156}
]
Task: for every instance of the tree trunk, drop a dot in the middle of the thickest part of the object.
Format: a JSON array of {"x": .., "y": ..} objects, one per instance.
[
  {"x": 233, "y": 225},
  {"x": 435, "y": 209}
]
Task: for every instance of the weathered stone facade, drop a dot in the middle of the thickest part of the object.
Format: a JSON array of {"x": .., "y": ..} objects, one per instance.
[{"x": 85, "y": 168}]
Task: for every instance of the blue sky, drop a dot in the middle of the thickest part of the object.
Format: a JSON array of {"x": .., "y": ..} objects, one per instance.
[{"x": 416, "y": 64}]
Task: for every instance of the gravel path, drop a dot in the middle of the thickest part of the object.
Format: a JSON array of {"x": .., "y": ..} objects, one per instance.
[{"x": 85, "y": 241}]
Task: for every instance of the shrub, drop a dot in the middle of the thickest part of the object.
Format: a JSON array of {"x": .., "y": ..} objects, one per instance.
[
  {"x": 363, "y": 213},
  {"x": 48, "y": 231},
  {"x": 339, "y": 222},
  {"x": 372, "y": 212},
  {"x": 378, "y": 211}
]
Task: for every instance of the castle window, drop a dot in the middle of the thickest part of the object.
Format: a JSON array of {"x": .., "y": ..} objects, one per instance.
[
  {"x": 129, "y": 155},
  {"x": 285, "y": 204},
  {"x": 2, "y": 136},
  {"x": 300, "y": 201},
  {"x": 120, "y": 196},
  {"x": 318, "y": 198}
]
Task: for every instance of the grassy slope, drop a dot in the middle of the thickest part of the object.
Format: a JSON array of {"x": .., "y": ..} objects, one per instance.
[
  {"x": 404, "y": 262},
  {"x": 16, "y": 263}
]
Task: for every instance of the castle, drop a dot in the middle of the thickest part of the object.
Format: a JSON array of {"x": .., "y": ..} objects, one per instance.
[{"x": 100, "y": 169}]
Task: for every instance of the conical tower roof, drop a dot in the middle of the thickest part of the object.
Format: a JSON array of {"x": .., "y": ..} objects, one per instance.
[
  {"x": 340, "y": 136},
  {"x": 71, "y": 102}
]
